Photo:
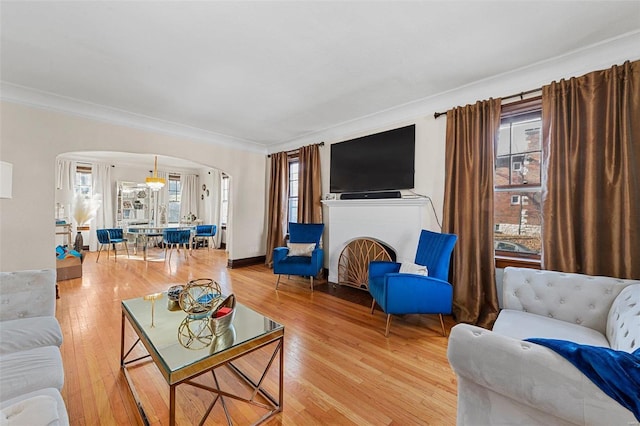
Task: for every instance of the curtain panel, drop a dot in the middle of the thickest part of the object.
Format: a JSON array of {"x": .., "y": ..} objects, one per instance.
[
  {"x": 591, "y": 136},
  {"x": 188, "y": 195},
  {"x": 101, "y": 188},
  {"x": 309, "y": 185},
  {"x": 278, "y": 199},
  {"x": 471, "y": 135}
]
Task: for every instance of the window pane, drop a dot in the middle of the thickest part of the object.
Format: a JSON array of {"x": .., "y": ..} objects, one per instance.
[
  {"x": 504, "y": 140},
  {"x": 518, "y": 220},
  {"x": 502, "y": 171},
  {"x": 173, "y": 215},
  {"x": 293, "y": 210},
  {"x": 525, "y": 136}
]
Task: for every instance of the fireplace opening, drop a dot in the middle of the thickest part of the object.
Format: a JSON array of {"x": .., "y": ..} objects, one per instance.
[{"x": 353, "y": 264}]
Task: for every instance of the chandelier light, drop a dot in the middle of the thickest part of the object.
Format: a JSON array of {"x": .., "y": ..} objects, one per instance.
[{"x": 154, "y": 182}]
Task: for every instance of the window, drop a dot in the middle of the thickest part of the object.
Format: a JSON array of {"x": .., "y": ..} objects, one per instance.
[
  {"x": 174, "y": 188},
  {"x": 293, "y": 189},
  {"x": 517, "y": 180},
  {"x": 224, "y": 207},
  {"x": 83, "y": 181}
]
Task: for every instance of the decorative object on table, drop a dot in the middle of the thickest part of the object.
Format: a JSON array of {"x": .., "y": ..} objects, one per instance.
[
  {"x": 224, "y": 340},
  {"x": 173, "y": 297},
  {"x": 163, "y": 214},
  {"x": 195, "y": 333},
  {"x": 153, "y": 297},
  {"x": 223, "y": 315},
  {"x": 199, "y": 297}
]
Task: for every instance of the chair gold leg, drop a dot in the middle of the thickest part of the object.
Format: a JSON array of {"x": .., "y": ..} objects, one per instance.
[
  {"x": 386, "y": 331},
  {"x": 312, "y": 283},
  {"x": 126, "y": 247},
  {"x": 442, "y": 325},
  {"x": 278, "y": 281},
  {"x": 373, "y": 306},
  {"x": 99, "y": 250}
]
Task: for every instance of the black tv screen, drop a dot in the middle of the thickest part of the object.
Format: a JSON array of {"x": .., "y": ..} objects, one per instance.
[{"x": 379, "y": 162}]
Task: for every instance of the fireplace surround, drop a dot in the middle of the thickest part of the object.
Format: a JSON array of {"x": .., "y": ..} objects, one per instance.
[{"x": 395, "y": 223}]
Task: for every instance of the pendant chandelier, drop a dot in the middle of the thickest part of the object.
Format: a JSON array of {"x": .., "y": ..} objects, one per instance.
[{"x": 154, "y": 182}]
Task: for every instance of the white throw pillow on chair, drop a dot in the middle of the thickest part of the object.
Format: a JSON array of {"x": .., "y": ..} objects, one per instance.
[
  {"x": 301, "y": 249},
  {"x": 413, "y": 268}
]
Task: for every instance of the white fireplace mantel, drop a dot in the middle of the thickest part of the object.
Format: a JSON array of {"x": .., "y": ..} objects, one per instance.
[{"x": 396, "y": 222}]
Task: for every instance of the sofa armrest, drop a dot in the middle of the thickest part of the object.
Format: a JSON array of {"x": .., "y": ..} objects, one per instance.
[
  {"x": 27, "y": 294},
  {"x": 531, "y": 375},
  {"x": 575, "y": 298}
]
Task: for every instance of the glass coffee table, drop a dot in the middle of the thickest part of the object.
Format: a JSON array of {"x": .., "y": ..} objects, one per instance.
[{"x": 185, "y": 347}]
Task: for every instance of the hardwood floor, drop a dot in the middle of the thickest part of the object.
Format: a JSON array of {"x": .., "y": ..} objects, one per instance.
[{"x": 339, "y": 367}]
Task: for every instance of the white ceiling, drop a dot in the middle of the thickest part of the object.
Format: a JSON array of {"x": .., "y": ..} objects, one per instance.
[{"x": 264, "y": 73}]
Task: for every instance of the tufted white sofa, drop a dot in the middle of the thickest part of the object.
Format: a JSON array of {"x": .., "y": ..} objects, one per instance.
[
  {"x": 31, "y": 370},
  {"x": 504, "y": 381}
]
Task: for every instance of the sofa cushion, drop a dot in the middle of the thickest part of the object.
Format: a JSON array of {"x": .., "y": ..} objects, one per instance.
[
  {"x": 623, "y": 324},
  {"x": 26, "y": 294},
  {"x": 30, "y": 370},
  {"x": 523, "y": 325},
  {"x": 28, "y": 333},
  {"x": 63, "y": 417}
]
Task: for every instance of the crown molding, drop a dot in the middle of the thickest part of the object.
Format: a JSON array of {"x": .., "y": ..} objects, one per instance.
[
  {"x": 49, "y": 101},
  {"x": 578, "y": 62}
]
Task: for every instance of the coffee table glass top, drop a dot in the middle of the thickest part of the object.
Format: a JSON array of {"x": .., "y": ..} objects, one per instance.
[{"x": 179, "y": 341}]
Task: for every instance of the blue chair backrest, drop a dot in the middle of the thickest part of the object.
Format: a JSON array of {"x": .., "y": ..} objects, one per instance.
[
  {"x": 103, "y": 236},
  {"x": 305, "y": 232},
  {"x": 434, "y": 252},
  {"x": 184, "y": 236},
  {"x": 116, "y": 233},
  {"x": 206, "y": 230},
  {"x": 171, "y": 236}
]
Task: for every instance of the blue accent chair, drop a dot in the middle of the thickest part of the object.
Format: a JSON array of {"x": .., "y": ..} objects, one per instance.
[
  {"x": 174, "y": 238},
  {"x": 205, "y": 232},
  {"x": 398, "y": 293},
  {"x": 305, "y": 265},
  {"x": 110, "y": 237}
]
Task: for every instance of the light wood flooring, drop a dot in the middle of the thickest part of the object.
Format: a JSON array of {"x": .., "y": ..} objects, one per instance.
[{"x": 339, "y": 367}]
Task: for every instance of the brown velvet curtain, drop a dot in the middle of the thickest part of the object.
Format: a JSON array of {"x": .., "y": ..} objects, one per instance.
[
  {"x": 278, "y": 200},
  {"x": 591, "y": 132},
  {"x": 472, "y": 132},
  {"x": 309, "y": 185}
]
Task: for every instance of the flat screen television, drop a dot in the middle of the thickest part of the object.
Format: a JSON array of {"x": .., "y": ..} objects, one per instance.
[{"x": 380, "y": 162}]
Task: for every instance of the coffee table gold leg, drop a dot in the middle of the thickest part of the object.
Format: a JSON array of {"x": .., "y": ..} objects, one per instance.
[{"x": 172, "y": 405}]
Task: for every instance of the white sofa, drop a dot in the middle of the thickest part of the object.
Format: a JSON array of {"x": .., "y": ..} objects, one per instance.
[
  {"x": 31, "y": 371},
  {"x": 503, "y": 380}
]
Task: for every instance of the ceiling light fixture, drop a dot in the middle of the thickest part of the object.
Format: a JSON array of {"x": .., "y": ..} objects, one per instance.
[{"x": 154, "y": 182}]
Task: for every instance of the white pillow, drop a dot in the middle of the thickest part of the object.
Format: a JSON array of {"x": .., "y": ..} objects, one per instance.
[
  {"x": 412, "y": 268},
  {"x": 301, "y": 249}
]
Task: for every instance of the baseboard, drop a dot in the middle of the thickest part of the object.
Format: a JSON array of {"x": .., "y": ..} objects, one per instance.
[{"x": 248, "y": 261}]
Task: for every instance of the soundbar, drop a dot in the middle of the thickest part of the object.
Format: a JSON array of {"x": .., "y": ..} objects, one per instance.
[{"x": 369, "y": 195}]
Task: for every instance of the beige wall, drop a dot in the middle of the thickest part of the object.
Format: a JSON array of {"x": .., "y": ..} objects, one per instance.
[{"x": 31, "y": 138}]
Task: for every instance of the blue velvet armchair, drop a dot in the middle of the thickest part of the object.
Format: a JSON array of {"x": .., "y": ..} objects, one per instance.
[
  {"x": 206, "y": 233},
  {"x": 110, "y": 237},
  {"x": 407, "y": 293},
  {"x": 302, "y": 256}
]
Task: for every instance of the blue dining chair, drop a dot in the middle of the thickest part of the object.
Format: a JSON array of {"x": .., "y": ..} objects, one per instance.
[
  {"x": 174, "y": 238},
  {"x": 410, "y": 293},
  {"x": 206, "y": 233},
  {"x": 110, "y": 237},
  {"x": 303, "y": 255}
]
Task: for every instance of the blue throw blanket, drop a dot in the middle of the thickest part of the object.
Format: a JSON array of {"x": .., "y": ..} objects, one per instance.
[{"x": 617, "y": 373}]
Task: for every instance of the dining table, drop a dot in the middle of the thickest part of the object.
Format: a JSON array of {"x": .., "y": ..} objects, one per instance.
[{"x": 145, "y": 234}]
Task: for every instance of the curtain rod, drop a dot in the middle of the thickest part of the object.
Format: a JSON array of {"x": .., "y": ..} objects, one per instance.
[
  {"x": 293, "y": 151},
  {"x": 520, "y": 95}
]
